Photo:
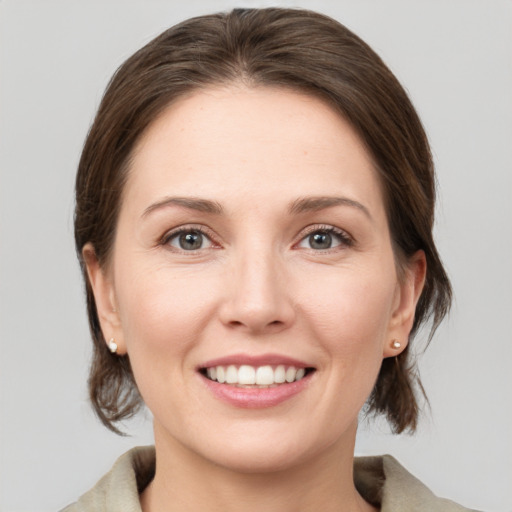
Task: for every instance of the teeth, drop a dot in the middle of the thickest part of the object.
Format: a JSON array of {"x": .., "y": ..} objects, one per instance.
[
  {"x": 221, "y": 374},
  {"x": 290, "y": 374},
  {"x": 246, "y": 375},
  {"x": 279, "y": 374},
  {"x": 231, "y": 375},
  {"x": 264, "y": 376}
]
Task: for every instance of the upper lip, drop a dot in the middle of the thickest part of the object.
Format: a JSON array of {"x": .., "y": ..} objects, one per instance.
[{"x": 255, "y": 360}]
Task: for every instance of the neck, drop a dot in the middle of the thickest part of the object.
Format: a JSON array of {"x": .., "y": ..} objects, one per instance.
[{"x": 185, "y": 481}]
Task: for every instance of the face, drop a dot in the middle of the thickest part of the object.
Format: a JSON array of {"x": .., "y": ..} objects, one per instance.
[{"x": 252, "y": 282}]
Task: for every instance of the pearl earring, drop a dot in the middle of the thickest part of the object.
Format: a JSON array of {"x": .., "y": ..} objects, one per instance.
[
  {"x": 112, "y": 346},
  {"x": 396, "y": 344}
]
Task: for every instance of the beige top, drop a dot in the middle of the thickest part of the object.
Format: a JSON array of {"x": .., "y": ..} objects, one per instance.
[{"x": 382, "y": 481}]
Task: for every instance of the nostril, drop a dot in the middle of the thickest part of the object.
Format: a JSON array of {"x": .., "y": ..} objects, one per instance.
[
  {"x": 256, "y": 316},
  {"x": 253, "y": 325}
]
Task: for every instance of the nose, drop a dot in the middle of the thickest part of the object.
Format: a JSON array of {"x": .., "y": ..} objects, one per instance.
[{"x": 258, "y": 299}]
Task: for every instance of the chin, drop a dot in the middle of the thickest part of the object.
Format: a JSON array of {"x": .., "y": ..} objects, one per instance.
[
  {"x": 257, "y": 459},
  {"x": 265, "y": 448}
]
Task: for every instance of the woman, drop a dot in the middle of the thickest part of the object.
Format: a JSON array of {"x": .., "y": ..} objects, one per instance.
[{"x": 254, "y": 221}]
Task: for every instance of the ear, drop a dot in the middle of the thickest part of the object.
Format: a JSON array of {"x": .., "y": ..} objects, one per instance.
[
  {"x": 407, "y": 294},
  {"x": 104, "y": 295}
]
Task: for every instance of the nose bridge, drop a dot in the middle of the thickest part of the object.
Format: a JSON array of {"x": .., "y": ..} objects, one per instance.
[{"x": 259, "y": 298}]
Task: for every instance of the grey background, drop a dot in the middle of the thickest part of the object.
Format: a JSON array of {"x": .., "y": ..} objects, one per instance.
[{"x": 453, "y": 56}]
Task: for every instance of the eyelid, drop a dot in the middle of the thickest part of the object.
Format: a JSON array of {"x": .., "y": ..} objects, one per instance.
[
  {"x": 187, "y": 228},
  {"x": 345, "y": 238}
]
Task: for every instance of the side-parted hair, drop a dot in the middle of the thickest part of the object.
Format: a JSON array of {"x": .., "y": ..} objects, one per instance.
[{"x": 288, "y": 48}]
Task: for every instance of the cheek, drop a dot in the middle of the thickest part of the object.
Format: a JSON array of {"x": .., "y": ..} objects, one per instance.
[
  {"x": 349, "y": 307},
  {"x": 161, "y": 310},
  {"x": 163, "y": 317},
  {"x": 351, "y": 314}
]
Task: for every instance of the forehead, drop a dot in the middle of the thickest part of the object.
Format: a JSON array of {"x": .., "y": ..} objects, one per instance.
[{"x": 271, "y": 142}]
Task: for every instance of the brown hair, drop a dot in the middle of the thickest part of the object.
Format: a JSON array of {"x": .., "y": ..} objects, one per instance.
[{"x": 296, "y": 49}]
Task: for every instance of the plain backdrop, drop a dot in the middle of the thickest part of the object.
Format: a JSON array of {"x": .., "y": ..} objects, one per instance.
[{"x": 455, "y": 59}]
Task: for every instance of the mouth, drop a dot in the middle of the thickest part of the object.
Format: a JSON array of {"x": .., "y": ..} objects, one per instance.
[
  {"x": 256, "y": 377},
  {"x": 256, "y": 381}
]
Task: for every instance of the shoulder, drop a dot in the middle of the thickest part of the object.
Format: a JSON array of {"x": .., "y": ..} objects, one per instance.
[
  {"x": 382, "y": 481},
  {"x": 385, "y": 482},
  {"x": 119, "y": 489}
]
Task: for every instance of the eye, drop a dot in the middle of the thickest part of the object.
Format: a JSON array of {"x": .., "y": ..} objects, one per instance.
[
  {"x": 188, "y": 240},
  {"x": 322, "y": 239}
]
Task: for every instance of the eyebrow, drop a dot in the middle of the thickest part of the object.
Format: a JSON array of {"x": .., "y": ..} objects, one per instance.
[
  {"x": 191, "y": 203},
  {"x": 301, "y": 205},
  {"x": 307, "y": 204}
]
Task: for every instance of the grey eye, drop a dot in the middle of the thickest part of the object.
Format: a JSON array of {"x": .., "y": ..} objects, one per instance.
[
  {"x": 320, "y": 240},
  {"x": 189, "y": 240},
  {"x": 324, "y": 239}
]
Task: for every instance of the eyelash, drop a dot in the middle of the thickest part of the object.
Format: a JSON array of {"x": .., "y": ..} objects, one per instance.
[
  {"x": 345, "y": 240},
  {"x": 183, "y": 230}
]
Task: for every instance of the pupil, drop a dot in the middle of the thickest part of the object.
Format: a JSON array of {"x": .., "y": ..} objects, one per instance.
[
  {"x": 320, "y": 240},
  {"x": 191, "y": 241}
]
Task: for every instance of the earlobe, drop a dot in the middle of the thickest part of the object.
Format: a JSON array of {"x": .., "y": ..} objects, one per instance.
[
  {"x": 104, "y": 296},
  {"x": 409, "y": 291}
]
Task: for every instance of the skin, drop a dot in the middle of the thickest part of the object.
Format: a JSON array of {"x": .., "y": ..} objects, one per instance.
[{"x": 256, "y": 286}]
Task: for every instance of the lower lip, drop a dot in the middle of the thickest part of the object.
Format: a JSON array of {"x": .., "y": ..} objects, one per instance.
[{"x": 256, "y": 398}]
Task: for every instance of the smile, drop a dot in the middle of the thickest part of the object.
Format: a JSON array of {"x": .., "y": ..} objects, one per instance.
[
  {"x": 254, "y": 382},
  {"x": 255, "y": 376}
]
